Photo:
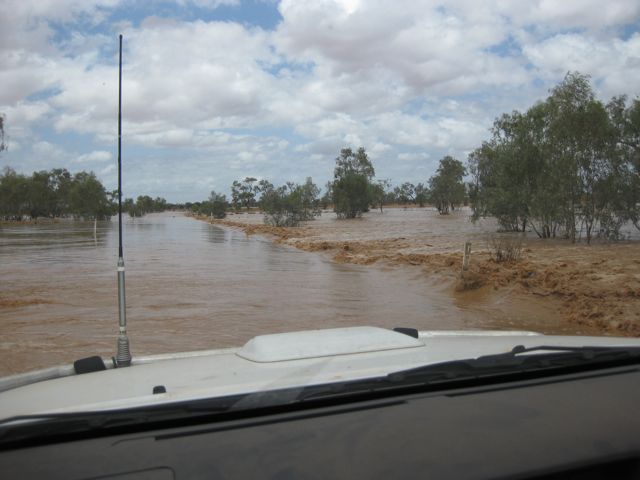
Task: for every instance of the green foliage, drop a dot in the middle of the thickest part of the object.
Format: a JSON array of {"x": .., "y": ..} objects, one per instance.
[
  {"x": 88, "y": 198},
  {"x": 14, "y": 190},
  {"x": 446, "y": 188},
  {"x": 243, "y": 194},
  {"x": 626, "y": 125},
  {"x": 144, "y": 204},
  {"x": 379, "y": 192},
  {"x": 351, "y": 195},
  {"x": 215, "y": 206},
  {"x": 327, "y": 198},
  {"x": 421, "y": 194},
  {"x": 53, "y": 194},
  {"x": 405, "y": 193},
  {"x": 351, "y": 191},
  {"x": 291, "y": 204},
  {"x": 57, "y": 193},
  {"x": 350, "y": 162},
  {"x": 567, "y": 166}
]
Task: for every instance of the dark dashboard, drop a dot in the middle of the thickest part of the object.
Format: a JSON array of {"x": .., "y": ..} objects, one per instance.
[{"x": 580, "y": 426}]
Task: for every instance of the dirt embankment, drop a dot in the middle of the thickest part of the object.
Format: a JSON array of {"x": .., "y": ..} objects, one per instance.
[{"x": 598, "y": 285}]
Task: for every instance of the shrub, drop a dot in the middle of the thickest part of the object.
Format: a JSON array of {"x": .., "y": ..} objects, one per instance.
[
  {"x": 290, "y": 204},
  {"x": 505, "y": 248}
]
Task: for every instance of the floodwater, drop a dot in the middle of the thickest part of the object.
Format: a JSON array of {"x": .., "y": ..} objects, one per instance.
[{"x": 191, "y": 285}]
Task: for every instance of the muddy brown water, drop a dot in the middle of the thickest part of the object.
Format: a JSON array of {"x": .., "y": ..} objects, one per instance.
[{"x": 191, "y": 285}]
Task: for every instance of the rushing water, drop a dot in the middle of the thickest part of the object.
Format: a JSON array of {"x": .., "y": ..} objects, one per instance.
[{"x": 191, "y": 285}]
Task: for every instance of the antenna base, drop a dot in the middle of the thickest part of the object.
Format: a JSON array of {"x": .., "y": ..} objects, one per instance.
[{"x": 123, "y": 357}]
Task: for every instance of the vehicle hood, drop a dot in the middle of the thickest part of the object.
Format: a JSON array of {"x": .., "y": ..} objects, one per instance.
[{"x": 267, "y": 362}]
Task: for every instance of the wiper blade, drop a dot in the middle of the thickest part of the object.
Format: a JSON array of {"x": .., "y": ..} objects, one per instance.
[
  {"x": 520, "y": 360},
  {"x": 546, "y": 360}
]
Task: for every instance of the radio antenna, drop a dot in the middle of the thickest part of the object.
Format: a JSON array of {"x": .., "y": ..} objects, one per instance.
[{"x": 123, "y": 357}]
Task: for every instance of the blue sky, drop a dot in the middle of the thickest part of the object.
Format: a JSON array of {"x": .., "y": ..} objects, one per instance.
[{"x": 216, "y": 90}]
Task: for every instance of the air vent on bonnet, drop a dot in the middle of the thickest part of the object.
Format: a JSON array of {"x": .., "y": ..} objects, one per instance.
[{"x": 324, "y": 343}]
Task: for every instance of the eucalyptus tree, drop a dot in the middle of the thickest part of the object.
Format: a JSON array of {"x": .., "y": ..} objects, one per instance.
[
  {"x": 215, "y": 206},
  {"x": 327, "y": 198},
  {"x": 405, "y": 193},
  {"x": 61, "y": 180},
  {"x": 88, "y": 198},
  {"x": 446, "y": 187},
  {"x": 40, "y": 195},
  {"x": 243, "y": 194},
  {"x": 290, "y": 204},
  {"x": 351, "y": 187},
  {"x": 626, "y": 150},
  {"x": 421, "y": 194},
  {"x": 563, "y": 167},
  {"x": 13, "y": 194},
  {"x": 379, "y": 191}
]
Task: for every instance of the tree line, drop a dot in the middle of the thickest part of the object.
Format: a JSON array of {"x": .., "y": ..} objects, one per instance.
[
  {"x": 569, "y": 165},
  {"x": 59, "y": 193},
  {"x": 352, "y": 192}
]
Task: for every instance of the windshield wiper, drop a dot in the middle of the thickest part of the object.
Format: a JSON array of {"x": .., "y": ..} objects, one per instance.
[
  {"x": 518, "y": 363},
  {"x": 521, "y": 360}
]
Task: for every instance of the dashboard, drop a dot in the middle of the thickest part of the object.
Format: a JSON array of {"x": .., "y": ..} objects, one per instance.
[{"x": 580, "y": 426}]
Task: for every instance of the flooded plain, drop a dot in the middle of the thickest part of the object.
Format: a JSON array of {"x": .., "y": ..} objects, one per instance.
[{"x": 192, "y": 285}]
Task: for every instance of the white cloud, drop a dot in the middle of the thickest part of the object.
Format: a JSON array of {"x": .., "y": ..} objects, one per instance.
[
  {"x": 614, "y": 62},
  {"x": 97, "y": 156},
  {"x": 48, "y": 150},
  {"x": 409, "y": 80}
]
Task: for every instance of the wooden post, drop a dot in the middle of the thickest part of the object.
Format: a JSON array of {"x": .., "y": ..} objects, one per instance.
[{"x": 466, "y": 257}]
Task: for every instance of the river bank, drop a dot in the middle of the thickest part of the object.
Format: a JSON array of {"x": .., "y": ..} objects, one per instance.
[{"x": 596, "y": 287}]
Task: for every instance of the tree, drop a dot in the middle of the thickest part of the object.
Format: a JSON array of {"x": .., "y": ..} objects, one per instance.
[
  {"x": 129, "y": 206},
  {"x": 506, "y": 171},
  {"x": 243, "y": 194},
  {"x": 61, "y": 181},
  {"x": 421, "y": 194},
  {"x": 405, "y": 193},
  {"x": 626, "y": 150},
  {"x": 291, "y": 204},
  {"x": 563, "y": 167},
  {"x": 40, "y": 196},
  {"x": 577, "y": 138},
  {"x": 353, "y": 162},
  {"x": 379, "y": 192},
  {"x": 88, "y": 198},
  {"x": 13, "y": 195},
  {"x": 351, "y": 192},
  {"x": 235, "y": 195},
  {"x": 214, "y": 206},
  {"x": 217, "y": 205},
  {"x": 327, "y": 198},
  {"x": 446, "y": 186},
  {"x": 262, "y": 187},
  {"x": 247, "y": 192}
]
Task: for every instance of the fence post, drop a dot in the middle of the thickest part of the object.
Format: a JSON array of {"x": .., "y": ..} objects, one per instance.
[{"x": 466, "y": 257}]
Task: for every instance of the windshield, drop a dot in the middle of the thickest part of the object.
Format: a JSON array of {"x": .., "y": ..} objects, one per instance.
[{"x": 296, "y": 165}]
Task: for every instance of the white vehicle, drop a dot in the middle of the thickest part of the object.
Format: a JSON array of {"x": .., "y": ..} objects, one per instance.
[{"x": 359, "y": 402}]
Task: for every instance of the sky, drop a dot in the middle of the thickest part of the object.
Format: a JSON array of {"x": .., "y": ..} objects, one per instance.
[{"x": 218, "y": 90}]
